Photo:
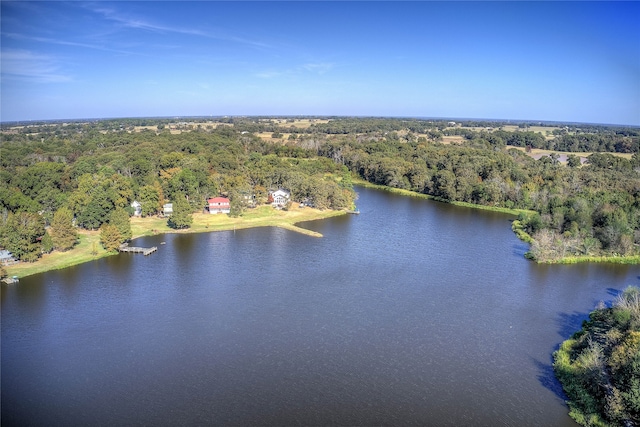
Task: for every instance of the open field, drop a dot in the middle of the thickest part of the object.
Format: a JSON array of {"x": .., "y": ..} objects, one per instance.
[
  {"x": 263, "y": 216},
  {"x": 299, "y": 123},
  {"x": 89, "y": 248},
  {"x": 176, "y": 128},
  {"x": 455, "y": 139},
  {"x": 538, "y": 129},
  {"x": 536, "y": 153},
  {"x": 266, "y": 136},
  {"x": 512, "y": 128},
  {"x": 546, "y": 131}
]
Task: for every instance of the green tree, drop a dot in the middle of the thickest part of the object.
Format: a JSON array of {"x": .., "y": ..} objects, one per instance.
[
  {"x": 573, "y": 161},
  {"x": 182, "y": 213},
  {"x": 149, "y": 199},
  {"x": 121, "y": 220},
  {"x": 81, "y": 196},
  {"x": 110, "y": 237},
  {"x": 63, "y": 234},
  {"x": 92, "y": 216},
  {"x": 121, "y": 190},
  {"x": 97, "y": 211},
  {"x": 47, "y": 243},
  {"x": 20, "y": 235},
  {"x": 185, "y": 182},
  {"x": 43, "y": 182},
  {"x": 445, "y": 184},
  {"x": 237, "y": 204}
]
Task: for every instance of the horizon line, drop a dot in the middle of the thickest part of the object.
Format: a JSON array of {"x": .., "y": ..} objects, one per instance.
[{"x": 81, "y": 119}]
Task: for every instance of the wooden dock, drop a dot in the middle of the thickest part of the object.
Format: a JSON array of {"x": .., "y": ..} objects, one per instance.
[{"x": 138, "y": 250}]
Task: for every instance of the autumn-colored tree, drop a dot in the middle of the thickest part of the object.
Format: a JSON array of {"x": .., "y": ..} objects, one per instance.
[{"x": 110, "y": 237}]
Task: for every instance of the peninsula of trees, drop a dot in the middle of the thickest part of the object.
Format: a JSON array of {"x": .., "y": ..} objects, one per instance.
[
  {"x": 581, "y": 201},
  {"x": 599, "y": 366}
]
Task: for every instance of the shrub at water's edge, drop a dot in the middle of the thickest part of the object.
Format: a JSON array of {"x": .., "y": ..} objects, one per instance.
[{"x": 599, "y": 366}]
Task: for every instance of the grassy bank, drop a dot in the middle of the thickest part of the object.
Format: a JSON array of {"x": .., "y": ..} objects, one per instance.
[
  {"x": 89, "y": 248},
  {"x": 620, "y": 259}
]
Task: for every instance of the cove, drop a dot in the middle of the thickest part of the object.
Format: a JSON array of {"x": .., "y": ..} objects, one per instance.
[{"x": 412, "y": 313}]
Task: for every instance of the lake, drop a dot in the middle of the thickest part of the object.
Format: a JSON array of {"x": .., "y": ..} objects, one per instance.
[{"x": 412, "y": 313}]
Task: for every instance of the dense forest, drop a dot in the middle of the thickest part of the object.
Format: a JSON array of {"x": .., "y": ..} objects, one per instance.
[
  {"x": 579, "y": 210},
  {"x": 93, "y": 168},
  {"x": 599, "y": 366}
]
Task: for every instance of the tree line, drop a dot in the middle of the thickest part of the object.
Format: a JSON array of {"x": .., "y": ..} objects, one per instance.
[
  {"x": 92, "y": 169},
  {"x": 589, "y": 210}
]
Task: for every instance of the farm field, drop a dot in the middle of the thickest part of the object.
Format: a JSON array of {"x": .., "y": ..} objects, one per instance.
[{"x": 536, "y": 153}]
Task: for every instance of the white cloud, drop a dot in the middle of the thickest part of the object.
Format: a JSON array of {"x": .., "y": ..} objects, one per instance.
[
  {"x": 271, "y": 74},
  {"x": 142, "y": 24},
  {"x": 318, "y": 67},
  {"x": 27, "y": 65},
  {"x": 17, "y": 36},
  {"x": 311, "y": 67}
]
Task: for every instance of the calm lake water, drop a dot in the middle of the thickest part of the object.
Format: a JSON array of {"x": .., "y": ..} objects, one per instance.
[{"x": 412, "y": 313}]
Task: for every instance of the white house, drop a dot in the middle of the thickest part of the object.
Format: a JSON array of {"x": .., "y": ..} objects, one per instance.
[
  {"x": 6, "y": 258},
  {"x": 279, "y": 198},
  {"x": 137, "y": 208},
  {"x": 167, "y": 209}
]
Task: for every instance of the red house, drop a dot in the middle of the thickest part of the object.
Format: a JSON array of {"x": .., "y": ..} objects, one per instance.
[{"x": 219, "y": 205}]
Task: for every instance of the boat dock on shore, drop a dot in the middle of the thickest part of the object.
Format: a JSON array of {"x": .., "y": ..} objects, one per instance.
[
  {"x": 137, "y": 249},
  {"x": 11, "y": 280}
]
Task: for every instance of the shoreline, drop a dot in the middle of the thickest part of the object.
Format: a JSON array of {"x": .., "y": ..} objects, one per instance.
[
  {"x": 409, "y": 193},
  {"x": 89, "y": 248},
  {"x": 572, "y": 259}
]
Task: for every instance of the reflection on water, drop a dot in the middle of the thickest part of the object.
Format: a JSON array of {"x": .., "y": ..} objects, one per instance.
[{"x": 412, "y": 313}]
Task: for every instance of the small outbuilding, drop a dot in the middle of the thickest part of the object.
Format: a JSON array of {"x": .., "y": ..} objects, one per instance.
[
  {"x": 167, "y": 209},
  {"x": 137, "y": 208}
]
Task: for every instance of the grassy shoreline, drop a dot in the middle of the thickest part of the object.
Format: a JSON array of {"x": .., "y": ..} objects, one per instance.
[
  {"x": 90, "y": 249},
  {"x": 621, "y": 259}
]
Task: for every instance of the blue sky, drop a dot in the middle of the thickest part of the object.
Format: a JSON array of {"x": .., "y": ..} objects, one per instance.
[{"x": 560, "y": 61}]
